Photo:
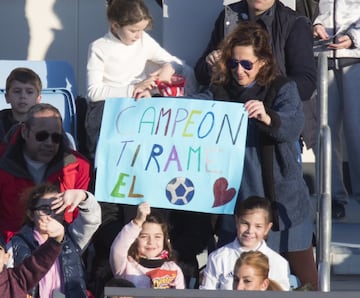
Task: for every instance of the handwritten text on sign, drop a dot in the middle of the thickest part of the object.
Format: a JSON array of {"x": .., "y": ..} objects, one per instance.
[{"x": 175, "y": 153}]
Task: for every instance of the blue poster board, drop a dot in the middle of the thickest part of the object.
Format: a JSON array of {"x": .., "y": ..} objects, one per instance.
[{"x": 175, "y": 153}]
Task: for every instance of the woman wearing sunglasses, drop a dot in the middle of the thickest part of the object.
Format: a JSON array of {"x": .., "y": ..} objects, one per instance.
[
  {"x": 246, "y": 73},
  {"x": 44, "y": 202}
]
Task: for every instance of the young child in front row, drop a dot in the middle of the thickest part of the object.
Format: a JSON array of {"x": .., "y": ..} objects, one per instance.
[
  {"x": 253, "y": 223},
  {"x": 23, "y": 90},
  {"x": 251, "y": 273},
  {"x": 142, "y": 254}
]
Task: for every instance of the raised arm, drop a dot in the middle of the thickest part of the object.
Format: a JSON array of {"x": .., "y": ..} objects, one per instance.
[{"x": 34, "y": 267}]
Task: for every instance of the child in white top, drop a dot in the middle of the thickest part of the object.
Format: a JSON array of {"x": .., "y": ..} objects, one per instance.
[
  {"x": 253, "y": 223},
  {"x": 127, "y": 62},
  {"x": 141, "y": 253},
  {"x": 117, "y": 62}
]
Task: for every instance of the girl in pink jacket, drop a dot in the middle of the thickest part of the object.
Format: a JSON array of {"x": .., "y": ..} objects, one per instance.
[{"x": 142, "y": 254}]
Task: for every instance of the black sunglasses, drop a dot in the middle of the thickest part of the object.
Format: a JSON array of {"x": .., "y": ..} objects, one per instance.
[
  {"x": 43, "y": 135},
  {"x": 246, "y": 64},
  {"x": 44, "y": 210}
]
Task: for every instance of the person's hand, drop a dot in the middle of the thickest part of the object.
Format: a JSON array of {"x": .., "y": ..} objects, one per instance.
[
  {"x": 145, "y": 85},
  {"x": 256, "y": 110},
  {"x": 213, "y": 57},
  {"x": 143, "y": 94},
  {"x": 143, "y": 210},
  {"x": 69, "y": 198},
  {"x": 164, "y": 73},
  {"x": 55, "y": 229},
  {"x": 320, "y": 32},
  {"x": 341, "y": 42}
]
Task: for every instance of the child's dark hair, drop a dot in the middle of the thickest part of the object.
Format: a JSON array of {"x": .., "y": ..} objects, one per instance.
[
  {"x": 251, "y": 203},
  {"x": 157, "y": 219},
  {"x": 24, "y": 75},
  {"x": 31, "y": 197},
  {"x": 128, "y": 12}
]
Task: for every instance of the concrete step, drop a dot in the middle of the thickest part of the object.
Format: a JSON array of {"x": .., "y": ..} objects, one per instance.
[
  {"x": 352, "y": 210},
  {"x": 345, "y": 240},
  {"x": 345, "y": 283},
  {"x": 345, "y": 248}
]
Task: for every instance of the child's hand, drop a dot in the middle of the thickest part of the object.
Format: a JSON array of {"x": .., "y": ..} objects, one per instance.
[
  {"x": 143, "y": 86},
  {"x": 164, "y": 74},
  {"x": 143, "y": 94},
  {"x": 69, "y": 198},
  {"x": 142, "y": 211},
  {"x": 55, "y": 229}
]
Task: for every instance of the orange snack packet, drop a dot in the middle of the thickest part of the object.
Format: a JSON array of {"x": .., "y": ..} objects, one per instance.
[{"x": 162, "y": 279}]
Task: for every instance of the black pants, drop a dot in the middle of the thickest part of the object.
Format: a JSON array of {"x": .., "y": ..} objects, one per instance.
[{"x": 93, "y": 120}]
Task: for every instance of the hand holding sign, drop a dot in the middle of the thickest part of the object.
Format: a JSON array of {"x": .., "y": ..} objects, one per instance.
[{"x": 184, "y": 154}]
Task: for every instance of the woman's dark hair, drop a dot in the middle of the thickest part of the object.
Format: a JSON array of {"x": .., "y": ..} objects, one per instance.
[
  {"x": 157, "y": 219},
  {"x": 246, "y": 33},
  {"x": 128, "y": 12},
  {"x": 30, "y": 197}
]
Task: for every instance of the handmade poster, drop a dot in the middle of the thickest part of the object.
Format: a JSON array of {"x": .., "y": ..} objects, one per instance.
[{"x": 175, "y": 153}]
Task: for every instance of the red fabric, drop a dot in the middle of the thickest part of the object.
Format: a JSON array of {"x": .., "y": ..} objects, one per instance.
[
  {"x": 73, "y": 174},
  {"x": 16, "y": 282}
]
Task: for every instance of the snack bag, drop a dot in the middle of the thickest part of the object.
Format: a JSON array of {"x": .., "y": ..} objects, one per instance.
[
  {"x": 162, "y": 279},
  {"x": 175, "y": 88}
]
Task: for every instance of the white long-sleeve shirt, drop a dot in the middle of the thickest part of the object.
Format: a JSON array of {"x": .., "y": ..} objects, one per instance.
[
  {"x": 341, "y": 17},
  {"x": 114, "y": 68},
  {"x": 219, "y": 270}
]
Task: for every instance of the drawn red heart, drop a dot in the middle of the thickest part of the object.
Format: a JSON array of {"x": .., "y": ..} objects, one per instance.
[{"x": 221, "y": 193}]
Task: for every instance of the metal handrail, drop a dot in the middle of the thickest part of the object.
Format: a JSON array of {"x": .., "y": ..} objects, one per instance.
[{"x": 323, "y": 180}]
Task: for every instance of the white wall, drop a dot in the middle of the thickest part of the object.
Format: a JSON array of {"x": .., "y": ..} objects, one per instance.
[
  {"x": 63, "y": 29},
  {"x": 54, "y": 30},
  {"x": 188, "y": 25}
]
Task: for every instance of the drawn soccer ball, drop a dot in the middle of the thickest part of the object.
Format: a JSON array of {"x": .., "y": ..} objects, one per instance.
[{"x": 180, "y": 191}]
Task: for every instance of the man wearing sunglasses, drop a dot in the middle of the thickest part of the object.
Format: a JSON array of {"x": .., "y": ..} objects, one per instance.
[{"x": 37, "y": 151}]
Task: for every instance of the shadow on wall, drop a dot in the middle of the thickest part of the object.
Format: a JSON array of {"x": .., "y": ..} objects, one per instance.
[
  {"x": 81, "y": 23},
  {"x": 59, "y": 30}
]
